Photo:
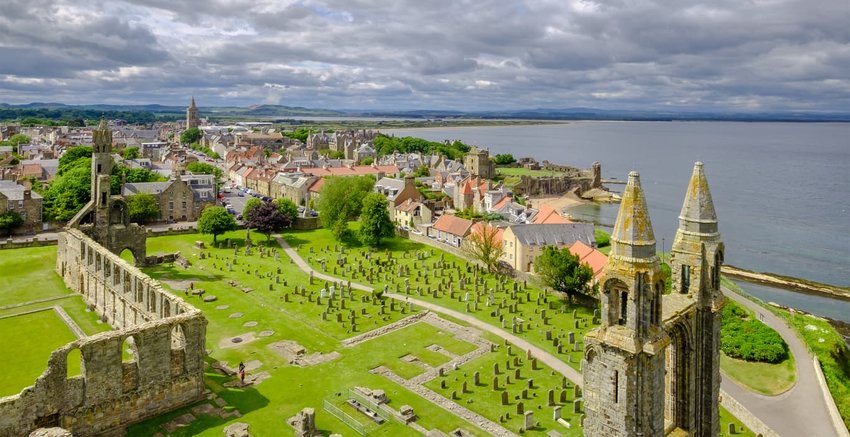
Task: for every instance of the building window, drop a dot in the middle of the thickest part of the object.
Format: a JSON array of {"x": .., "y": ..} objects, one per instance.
[
  {"x": 624, "y": 300},
  {"x": 616, "y": 386},
  {"x": 184, "y": 204},
  {"x": 686, "y": 278}
]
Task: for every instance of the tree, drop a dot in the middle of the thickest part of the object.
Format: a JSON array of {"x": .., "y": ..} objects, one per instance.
[
  {"x": 422, "y": 171},
  {"x": 191, "y": 135},
  {"x": 10, "y": 220},
  {"x": 122, "y": 173},
  {"x": 265, "y": 218},
  {"x": 69, "y": 192},
  {"x": 288, "y": 209},
  {"x": 130, "y": 153},
  {"x": 485, "y": 244},
  {"x": 375, "y": 220},
  {"x": 249, "y": 205},
  {"x": 504, "y": 159},
  {"x": 215, "y": 220},
  {"x": 143, "y": 207},
  {"x": 18, "y": 139},
  {"x": 198, "y": 167},
  {"x": 563, "y": 271},
  {"x": 341, "y": 200},
  {"x": 71, "y": 156}
]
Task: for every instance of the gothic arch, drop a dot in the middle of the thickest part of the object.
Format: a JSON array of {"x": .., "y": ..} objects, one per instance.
[
  {"x": 178, "y": 350},
  {"x": 615, "y": 296},
  {"x": 679, "y": 370}
]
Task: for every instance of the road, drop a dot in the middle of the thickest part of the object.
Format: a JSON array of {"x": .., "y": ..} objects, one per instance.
[{"x": 800, "y": 411}]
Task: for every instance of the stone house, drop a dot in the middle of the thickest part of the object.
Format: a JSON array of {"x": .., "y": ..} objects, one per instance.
[
  {"x": 180, "y": 199},
  {"x": 397, "y": 192},
  {"x": 524, "y": 243},
  {"x": 363, "y": 152},
  {"x": 450, "y": 229},
  {"x": 412, "y": 213},
  {"x": 14, "y": 197},
  {"x": 292, "y": 186}
]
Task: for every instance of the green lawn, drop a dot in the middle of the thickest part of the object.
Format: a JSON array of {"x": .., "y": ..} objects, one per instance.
[
  {"x": 765, "y": 378},
  {"x": 560, "y": 320},
  {"x": 487, "y": 402},
  {"x": 520, "y": 171},
  {"x": 292, "y": 388},
  {"x": 28, "y": 340},
  {"x": 740, "y": 430},
  {"x": 30, "y": 267}
]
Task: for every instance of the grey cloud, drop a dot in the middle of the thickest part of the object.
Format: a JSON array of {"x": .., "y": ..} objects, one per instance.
[{"x": 440, "y": 54}]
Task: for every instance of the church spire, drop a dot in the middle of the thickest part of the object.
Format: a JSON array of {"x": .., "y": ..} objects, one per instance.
[
  {"x": 698, "y": 213},
  {"x": 633, "y": 236},
  {"x": 192, "y": 105}
]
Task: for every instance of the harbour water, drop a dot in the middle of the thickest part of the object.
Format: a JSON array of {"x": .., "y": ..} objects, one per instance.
[{"x": 781, "y": 190}]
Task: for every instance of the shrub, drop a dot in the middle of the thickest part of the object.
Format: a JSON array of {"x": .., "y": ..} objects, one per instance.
[{"x": 745, "y": 338}]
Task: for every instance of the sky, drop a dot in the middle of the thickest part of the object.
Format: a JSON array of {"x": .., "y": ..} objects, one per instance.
[{"x": 718, "y": 55}]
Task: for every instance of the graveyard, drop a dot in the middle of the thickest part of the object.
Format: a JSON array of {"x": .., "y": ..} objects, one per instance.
[{"x": 326, "y": 345}]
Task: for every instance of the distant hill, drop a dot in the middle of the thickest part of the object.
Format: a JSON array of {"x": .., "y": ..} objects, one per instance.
[{"x": 521, "y": 114}]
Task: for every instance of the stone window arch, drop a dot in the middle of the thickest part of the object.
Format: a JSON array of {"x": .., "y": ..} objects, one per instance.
[
  {"x": 74, "y": 364},
  {"x": 129, "y": 364},
  {"x": 178, "y": 350}
]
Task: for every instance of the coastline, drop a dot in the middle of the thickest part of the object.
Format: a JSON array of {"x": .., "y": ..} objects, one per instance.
[
  {"x": 560, "y": 203},
  {"x": 800, "y": 285}
]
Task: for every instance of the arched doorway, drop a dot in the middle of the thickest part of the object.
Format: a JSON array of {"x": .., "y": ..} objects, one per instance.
[{"x": 128, "y": 255}]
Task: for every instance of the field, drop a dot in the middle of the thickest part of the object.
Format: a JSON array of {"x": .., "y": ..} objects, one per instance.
[{"x": 263, "y": 301}]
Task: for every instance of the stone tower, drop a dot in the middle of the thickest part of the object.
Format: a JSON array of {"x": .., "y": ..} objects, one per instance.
[
  {"x": 623, "y": 363},
  {"x": 106, "y": 217},
  {"x": 696, "y": 258},
  {"x": 597, "y": 175},
  {"x": 192, "y": 119}
]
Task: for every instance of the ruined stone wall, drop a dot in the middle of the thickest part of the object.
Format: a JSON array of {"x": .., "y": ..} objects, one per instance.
[
  {"x": 551, "y": 185},
  {"x": 165, "y": 335}
]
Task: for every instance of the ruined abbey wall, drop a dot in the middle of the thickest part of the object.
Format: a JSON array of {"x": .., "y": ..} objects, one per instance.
[{"x": 164, "y": 371}]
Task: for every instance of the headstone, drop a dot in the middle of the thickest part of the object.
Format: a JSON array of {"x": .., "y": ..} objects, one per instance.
[
  {"x": 505, "y": 397},
  {"x": 556, "y": 413},
  {"x": 529, "y": 420},
  {"x": 520, "y": 408},
  {"x": 550, "y": 397}
]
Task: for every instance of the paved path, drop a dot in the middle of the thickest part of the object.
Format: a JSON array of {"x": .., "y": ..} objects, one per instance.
[
  {"x": 800, "y": 411},
  {"x": 544, "y": 357}
]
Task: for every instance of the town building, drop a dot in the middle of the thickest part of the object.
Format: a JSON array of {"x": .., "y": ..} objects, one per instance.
[
  {"x": 24, "y": 201},
  {"x": 478, "y": 163},
  {"x": 180, "y": 199},
  {"x": 450, "y": 229},
  {"x": 192, "y": 119},
  {"x": 524, "y": 243}
]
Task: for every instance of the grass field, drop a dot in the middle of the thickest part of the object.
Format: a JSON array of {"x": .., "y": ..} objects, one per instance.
[
  {"x": 765, "y": 378},
  {"x": 559, "y": 317},
  {"x": 27, "y": 341}
]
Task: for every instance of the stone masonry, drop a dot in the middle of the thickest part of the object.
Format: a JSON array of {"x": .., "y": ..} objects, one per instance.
[
  {"x": 164, "y": 335},
  {"x": 653, "y": 350}
]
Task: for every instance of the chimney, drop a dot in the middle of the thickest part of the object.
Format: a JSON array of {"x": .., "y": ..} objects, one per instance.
[{"x": 409, "y": 181}]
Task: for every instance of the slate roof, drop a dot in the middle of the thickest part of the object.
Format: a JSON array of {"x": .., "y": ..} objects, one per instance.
[
  {"x": 13, "y": 191},
  {"x": 554, "y": 235}
]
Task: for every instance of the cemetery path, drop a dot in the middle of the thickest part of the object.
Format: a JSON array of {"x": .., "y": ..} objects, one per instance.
[
  {"x": 545, "y": 357},
  {"x": 800, "y": 411}
]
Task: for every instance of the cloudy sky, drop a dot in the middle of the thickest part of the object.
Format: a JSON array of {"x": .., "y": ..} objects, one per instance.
[{"x": 728, "y": 55}]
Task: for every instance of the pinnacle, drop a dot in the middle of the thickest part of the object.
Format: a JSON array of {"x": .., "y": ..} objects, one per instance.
[
  {"x": 698, "y": 206},
  {"x": 633, "y": 228}
]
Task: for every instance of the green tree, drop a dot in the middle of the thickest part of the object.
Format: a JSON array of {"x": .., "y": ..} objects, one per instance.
[
  {"x": 249, "y": 205},
  {"x": 69, "y": 192},
  {"x": 341, "y": 200},
  {"x": 198, "y": 167},
  {"x": 143, "y": 207},
  {"x": 10, "y": 220},
  {"x": 288, "y": 209},
  {"x": 485, "y": 244},
  {"x": 375, "y": 220},
  {"x": 191, "y": 135},
  {"x": 71, "y": 156},
  {"x": 122, "y": 173},
  {"x": 561, "y": 270},
  {"x": 130, "y": 153},
  {"x": 17, "y": 140},
  {"x": 422, "y": 171},
  {"x": 215, "y": 220},
  {"x": 504, "y": 159}
]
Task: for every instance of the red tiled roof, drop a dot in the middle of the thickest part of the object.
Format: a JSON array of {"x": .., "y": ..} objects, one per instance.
[
  {"x": 357, "y": 170},
  {"x": 31, "y": 170},
  {"x": 590, "y": 256},
  {"x": 479, "y": 227},
  {"x": 549, "y": 216},
  {"x": 317, "y": 186},
  {"x": 453, "y": 225},
  {"x": 505, "y": 200}
]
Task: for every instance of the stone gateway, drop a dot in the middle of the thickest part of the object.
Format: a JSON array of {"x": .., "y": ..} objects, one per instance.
[{"x": 655, "y": 350}]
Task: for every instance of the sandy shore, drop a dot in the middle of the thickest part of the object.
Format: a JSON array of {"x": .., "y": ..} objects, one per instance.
[{"x": 560, "y": 202}]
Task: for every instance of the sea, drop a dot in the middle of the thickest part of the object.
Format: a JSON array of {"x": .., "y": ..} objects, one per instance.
[{"x": 781, "y": 190}]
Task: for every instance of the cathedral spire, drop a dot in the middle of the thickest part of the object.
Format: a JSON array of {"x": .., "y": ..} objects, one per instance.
[
  {"x": 633, "y": 236},
  {"x": 192, "y": 105},
  {"x": 698, "y": 213}
]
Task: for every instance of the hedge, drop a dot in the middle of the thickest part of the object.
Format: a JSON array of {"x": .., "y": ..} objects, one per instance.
[{"x": 745, "y": 338}]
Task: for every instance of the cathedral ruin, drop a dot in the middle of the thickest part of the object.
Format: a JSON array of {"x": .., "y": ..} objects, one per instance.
[{"x": 652, "y": 367}]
